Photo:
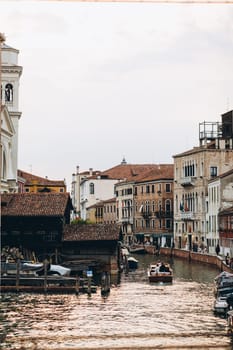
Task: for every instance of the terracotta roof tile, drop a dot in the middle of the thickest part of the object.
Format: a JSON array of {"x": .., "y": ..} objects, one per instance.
[
  {"x": 128, "y": 171},
  {"x": 95, "y": 232},
  {"x": 162, "y": 172},
  {"x": 34, "y": 204},
  {"x": 31, "y": 179}
]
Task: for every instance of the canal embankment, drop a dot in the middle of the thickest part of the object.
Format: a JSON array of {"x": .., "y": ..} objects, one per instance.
[{"x": 188, "y": 255}]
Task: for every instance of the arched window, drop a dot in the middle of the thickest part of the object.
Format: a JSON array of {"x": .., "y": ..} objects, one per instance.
[
  {"x": 9, "y": 92},
  {"x": 92, "y": 188}
]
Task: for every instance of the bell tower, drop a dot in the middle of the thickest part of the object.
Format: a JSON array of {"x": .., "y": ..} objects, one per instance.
[{"x": 11, "y": 73}]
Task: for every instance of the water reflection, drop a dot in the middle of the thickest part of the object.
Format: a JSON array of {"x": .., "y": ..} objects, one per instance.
[{"x": 135, "y": 315}]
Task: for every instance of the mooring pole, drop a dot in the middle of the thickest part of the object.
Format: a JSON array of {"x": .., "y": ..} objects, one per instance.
[
  {"x": 45, "y": 275},
  {"x": 77, "y": 285},
  {"x": 17, "y": 274},
  {"x": 89, "y": 286}
]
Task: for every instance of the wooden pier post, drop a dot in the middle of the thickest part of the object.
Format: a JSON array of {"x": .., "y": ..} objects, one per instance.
[
  {"x": 45, "y": 275},
  {"x": 77, "y": 284},
  {"x": 105, "y": 284},
  {"x": 89, "y": 286},
  {"x": 17, "y": 274}
]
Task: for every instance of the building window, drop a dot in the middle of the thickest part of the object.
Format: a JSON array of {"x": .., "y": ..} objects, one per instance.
[
  {"x": 147, "y": 189},
  {"x": 9, "y": 93},
  {"x": 213, "y": 171},
  {"x": 168, "y": 206},
  {"x": 92, "y": 188},
  {"x": 168, "y": 224},
  {"x": 153, "y": 189},
  {"x": 153, "y": 206},
  {"x": 168, "y": 187},
  {"x": 147, "y": 206}
]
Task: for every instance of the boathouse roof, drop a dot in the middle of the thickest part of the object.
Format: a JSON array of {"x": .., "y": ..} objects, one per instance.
[
  {"x": 35, "y": 204},
  {"x": 91, "y": 232}
]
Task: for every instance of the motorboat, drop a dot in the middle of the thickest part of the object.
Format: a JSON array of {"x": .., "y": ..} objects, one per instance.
[
  {"x": 158, "y": 272},
  {"x": 132, "y": 263},
  {"x": 224, "y": 279},
  {"x": 221, "y": 306}
]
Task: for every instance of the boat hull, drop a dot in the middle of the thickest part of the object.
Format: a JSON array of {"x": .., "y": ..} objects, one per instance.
[
  {"x": 160, "y": 278},
  {"x": 220, "y": 306},
  {"x": 132, "y": 263}
]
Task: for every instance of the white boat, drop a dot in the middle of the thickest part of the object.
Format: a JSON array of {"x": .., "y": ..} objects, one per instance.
[
  {"x": 157, "y": 274},
  {"x": 132, "y": 263},
  {"x": 26, "y": 268},
  {"x": 221, "y": 306}
]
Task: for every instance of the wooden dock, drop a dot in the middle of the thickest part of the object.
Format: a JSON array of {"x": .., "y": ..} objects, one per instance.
[{"x": 46, "y": 284}]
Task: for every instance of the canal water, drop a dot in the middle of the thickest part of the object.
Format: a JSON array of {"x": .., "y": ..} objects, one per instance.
[{"x": 135, "y": 315}]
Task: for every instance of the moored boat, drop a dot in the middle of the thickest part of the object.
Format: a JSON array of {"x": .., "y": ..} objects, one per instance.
[
  {"x": 221, "y": 306},
  {"x": 137, "y": 249},
  {"x": 132, "y": 263},
  {"x": 27, "y": 268},
  {"x": 160, "y": 272}
]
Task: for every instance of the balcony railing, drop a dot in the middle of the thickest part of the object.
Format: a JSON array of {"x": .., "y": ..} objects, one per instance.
[
  {"x": 146, "y": 214},
  {"x": 164, "y": 214},
  {"x": 187, "y": 215},
  {"x": 126, "y": 220},
  {"x": 187, "y": 181}
]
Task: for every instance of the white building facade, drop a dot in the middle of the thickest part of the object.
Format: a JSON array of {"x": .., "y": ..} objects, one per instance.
[
  {"x": 213, "y": 204},
  {"x": 10, "y": 116}
]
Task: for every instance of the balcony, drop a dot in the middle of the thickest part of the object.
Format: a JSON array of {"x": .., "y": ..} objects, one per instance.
[
  {"x": 128, "y": 220},
  {"x": 187, "y": 215},
  {"x": 187, "y": 181},
  {"x": 146, "y": 215},
  {"x": 164, "y": 214}
]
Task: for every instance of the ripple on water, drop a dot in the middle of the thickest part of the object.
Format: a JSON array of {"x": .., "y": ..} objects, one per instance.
[{"x": 136, "y": 315}]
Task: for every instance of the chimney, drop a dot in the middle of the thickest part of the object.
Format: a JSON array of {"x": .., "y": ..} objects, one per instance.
[{"x": 90, "y": 171}]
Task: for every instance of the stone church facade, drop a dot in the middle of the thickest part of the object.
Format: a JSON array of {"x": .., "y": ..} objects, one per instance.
[{"x": 10, "y": 116}]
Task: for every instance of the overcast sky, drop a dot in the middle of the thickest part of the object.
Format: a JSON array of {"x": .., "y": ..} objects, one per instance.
[{"x": 105, "y": 80}]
